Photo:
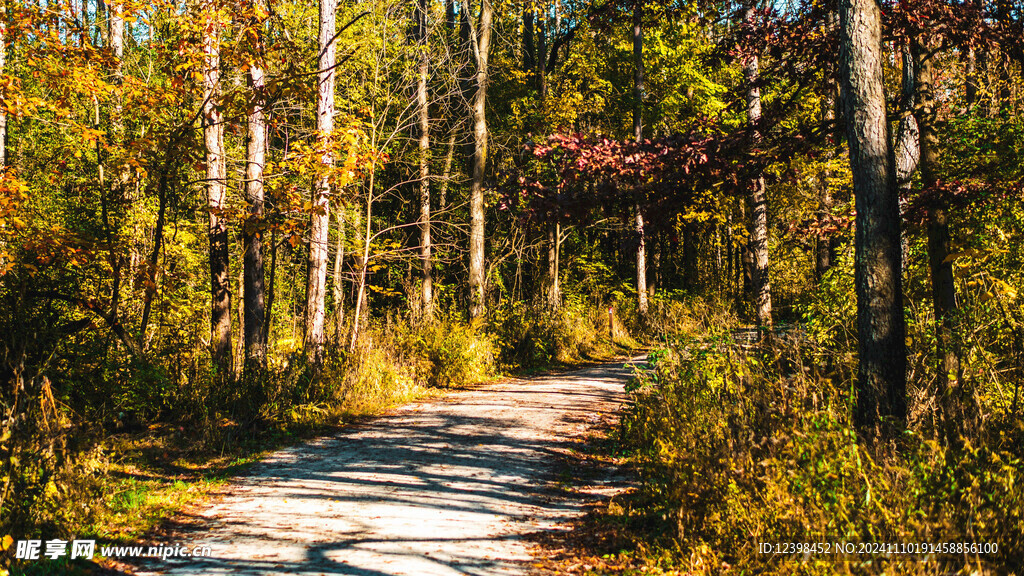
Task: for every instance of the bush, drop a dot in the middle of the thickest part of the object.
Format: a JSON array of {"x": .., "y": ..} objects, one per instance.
[
  {"x": 536, "y": 336},
  {"x": 736, "y": 452},
  {"x": 452, "y": 355}
]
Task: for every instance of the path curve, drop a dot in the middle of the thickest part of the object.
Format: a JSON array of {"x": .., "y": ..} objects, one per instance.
[{"x": 439, "y": 488}]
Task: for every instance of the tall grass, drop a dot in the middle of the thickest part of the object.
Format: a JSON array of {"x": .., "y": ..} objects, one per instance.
[{"x": 740, "y": 448}]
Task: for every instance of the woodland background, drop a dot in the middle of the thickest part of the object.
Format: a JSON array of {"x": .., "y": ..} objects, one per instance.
[{"x": 224, "y": 223}]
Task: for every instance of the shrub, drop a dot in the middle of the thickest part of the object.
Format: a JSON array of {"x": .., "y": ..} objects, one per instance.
[
  {"x": 534, "y": 336},
  {"x": 452, "y": 355},
  {"x": 736, "y": 452}
]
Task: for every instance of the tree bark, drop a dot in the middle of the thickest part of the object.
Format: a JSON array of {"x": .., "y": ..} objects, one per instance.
[
  {"x": 427, "y": 285},
  {"x": 975, "y": 63},
  {"x": 271, "y": 285},
  {"x": 554, "y": 291},
  {"x": 638, "y": 129},
  {"x": 364, "y": 264},
  {"x": 908, "y": 148},
  {"x": 529, "y": 37},
  {"x": 115, "y": 41},
  {"x": 881, "y": 387},
  {"x": 446, "y": 174},
  {"x": 958, "y": 415},
  {"x": 480, "y": 40},
  {"x": 254, "y": 321},
  {"x": 758, "y": 201},
  {"x": 728, "y": 284},
  {"x": 826, "y": 244},
  {"x": 339, "y": 262},
  {"x": 216, "y": 178},
  {"x": 316, "y": 287},
  {"x": 542, "y": 55}
]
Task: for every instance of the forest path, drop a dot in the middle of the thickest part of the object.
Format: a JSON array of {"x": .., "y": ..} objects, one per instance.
[{"x": 444, "y": 487}]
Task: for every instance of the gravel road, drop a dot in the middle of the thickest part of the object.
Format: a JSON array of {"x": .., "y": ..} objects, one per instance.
[{"x": 438, "y": 488}]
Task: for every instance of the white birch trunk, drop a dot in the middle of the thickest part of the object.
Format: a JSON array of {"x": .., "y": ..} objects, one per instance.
[{"x": 320, "y": 220}]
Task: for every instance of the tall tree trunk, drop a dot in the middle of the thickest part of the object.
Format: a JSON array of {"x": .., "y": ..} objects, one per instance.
[
  {"x": 958, "y": 414},
  {"x": 638, "y": 135},
  {"x": 427, "y": 286},
  {"x": 216, "y": 178},
  {"x": 316, "y": 287},
  {"x": 758, "y": 201},
  {"x": 254, "y": 321},
  {"x": 480, "y": 37},
  {"x": 825, "y": 247},
  {"x": 908, "y": 149},
  {"x": 881, "y": 386}
]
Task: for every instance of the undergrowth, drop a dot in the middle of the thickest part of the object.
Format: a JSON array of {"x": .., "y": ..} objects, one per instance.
[
  {"x": 741, "y": 447},
  {"x": 114, "y": 470}
]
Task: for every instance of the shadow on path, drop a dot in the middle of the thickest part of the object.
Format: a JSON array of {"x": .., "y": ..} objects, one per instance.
[{"x": 440, "y": 488}]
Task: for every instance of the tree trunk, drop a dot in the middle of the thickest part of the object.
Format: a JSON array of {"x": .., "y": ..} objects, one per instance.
[
  {"x": 975, "y": 65},
  {"x": 638, "y": 129},
  {"x": 316, "y": 287},
  {"x": 480, "y": 37},
  {"x": 446, "y": 174},
  {"x": 115, "y": 41},
  {"x": 729, "y": 274},
  {"x": 101, "y": 23},
  {"x": 339, "y": 262},
  {"x": 364, "y": 262},
  {"x": 758, "y": 201},
  {"x": 427, "y": 286},
  {"x": 881, "y": 387},
  {"x": 958, "y": 414},
  {"x": 271, "y": 286},
  {"x": 529, "y": 37},
  {"x": 239, "y": 358},
  {"x": 908, "y": 149},
  {"x": 254, "y": 322},
  {"x": 554, "y": 291},
  {"x": 825, "y": 246},
  {"x": 216, "y": 177},
  {"x": 542, "y": 55}
]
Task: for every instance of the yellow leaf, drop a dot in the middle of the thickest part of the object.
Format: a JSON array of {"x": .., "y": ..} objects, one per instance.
[{"x": 6, "y": 542}]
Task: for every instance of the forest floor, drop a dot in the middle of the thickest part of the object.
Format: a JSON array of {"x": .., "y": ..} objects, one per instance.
[{"x": 467, "y": 484}]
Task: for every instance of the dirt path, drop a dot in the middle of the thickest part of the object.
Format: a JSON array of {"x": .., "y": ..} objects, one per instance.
[{"x": 440, "y": 488}]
